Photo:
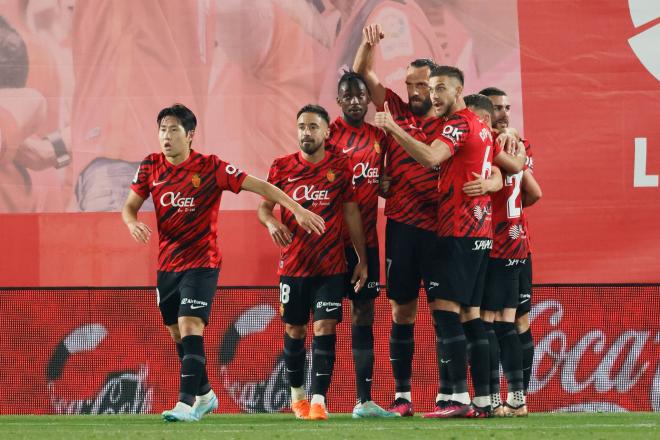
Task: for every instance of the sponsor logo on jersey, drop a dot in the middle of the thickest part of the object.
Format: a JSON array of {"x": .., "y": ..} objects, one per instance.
[
  {"x": 186, "y": 204},
  {"x": 310, "y": 193},
  {"x": 482, "y": 245},
  {"x": 361, "y": 171}
]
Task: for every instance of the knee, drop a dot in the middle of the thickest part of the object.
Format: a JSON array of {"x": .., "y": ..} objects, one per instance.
[
  {"x": 487, "y": 316},
  {"x": 362, "y": 313},
  {"x": 174, "y": 333},
  {"x": 191, "y": 325},
  {"x": 325, "y": 327},
  {"x": 296, "y": 331},
  {"x": 522, "y": 323},
  {"x": 469, "y": 313},
  {"x": 404, "y": 313}
]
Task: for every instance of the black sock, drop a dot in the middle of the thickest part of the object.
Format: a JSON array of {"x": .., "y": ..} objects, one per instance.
[
  {"x": 362, "y": 343},
  {"x": 454, "y": 347},
  {"x": 527, "y": 345},
  {"x": 494, "y": 349},
  {"x": 323, "y": 362},
  {"x": 294, "y": 360},
  {"x": 510, "y": 354},
  {"x": 204, "y": 385},
  {"x": 402, "y": 348},
  {"x": 479, "y": 355},
  {"x": 445, "y": 386},
  {"x": 193, "y": 366}
]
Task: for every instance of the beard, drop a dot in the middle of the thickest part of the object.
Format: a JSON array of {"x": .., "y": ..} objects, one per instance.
[
  {"x": 310, "y": 146},
  {"x": 421, "y": 108}
]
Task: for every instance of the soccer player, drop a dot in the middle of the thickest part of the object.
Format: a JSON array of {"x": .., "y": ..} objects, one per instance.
[
  {"x": 186, "y": 187},
  {"x": 364, "y": 146},
  {"x": 410, "y": 208},
  {"x": 530, "y": 192},
  {"x": 312, "y": 270},
  {"x": 466, "y": 144}
]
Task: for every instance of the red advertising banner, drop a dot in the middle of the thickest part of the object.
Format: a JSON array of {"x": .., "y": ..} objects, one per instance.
[{"x": 106, "y": 351}]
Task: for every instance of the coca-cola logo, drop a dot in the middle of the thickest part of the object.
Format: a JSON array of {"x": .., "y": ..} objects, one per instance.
[
  {"x": 596, "y": 361},
  {"x": 121, "y": 391}
]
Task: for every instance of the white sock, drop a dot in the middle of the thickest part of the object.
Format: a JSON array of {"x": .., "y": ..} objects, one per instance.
[
  {"x": 298, "y": 393},
  {"x": 442, "y": 397},
  {"x": 482, "y": 401},
  {"x": 496, "y": 400},
  {"x": 405, "y": 395},
  {"x": 205, "y": 398},
  {"x": 317, "y": 398},
  {"x": 516, "y": 399},
  {"x": 463, "y": 398}
]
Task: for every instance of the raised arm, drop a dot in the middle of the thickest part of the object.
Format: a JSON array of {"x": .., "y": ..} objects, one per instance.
[
  {"x": 309, "y": 221},
  {"x": 427, "y": 155},
  {"x": 364, "y": 59},
  {"x": 531, "y": 190}
]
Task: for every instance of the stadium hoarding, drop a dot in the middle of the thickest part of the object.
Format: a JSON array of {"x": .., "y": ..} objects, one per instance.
[{"x": 106, "y": 351}]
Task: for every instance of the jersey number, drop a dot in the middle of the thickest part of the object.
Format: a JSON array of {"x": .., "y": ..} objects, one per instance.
[
  {"x": 514, "y": 180},
  {"x": 285, "y": 289},
  {"x": 486, "y": 167}
]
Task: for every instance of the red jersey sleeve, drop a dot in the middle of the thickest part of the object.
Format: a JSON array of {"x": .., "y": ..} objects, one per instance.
[
  {"x": 229, "y": 177},
  {"x": 454, "y": 133},
  {"x": 529, "y": 162},
  {"x": 140, "y": 183}
]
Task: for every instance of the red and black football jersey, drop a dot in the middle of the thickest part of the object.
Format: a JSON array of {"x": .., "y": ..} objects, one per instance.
[
  {"x": 413, "y": 198},
  {"x": 187, "y": 200},
  {"x": 322, "y": 188},
  {"x": 529, "y": 166},
  {"x": 364, "y": 148},
  {"x": 471, "y": 144},
  {"x": 509, "y": 232}
]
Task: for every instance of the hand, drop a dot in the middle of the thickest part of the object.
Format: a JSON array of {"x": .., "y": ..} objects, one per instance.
[
  {"x": 279, "y": 233},
  {"x": 508, "y": 142},
  {"x": 309, "y": 221},
  {"x": 384, "y": 185},
  {"x": 384, "y": 119},
  {"x": 36, "y": 153},
  {"x": 477, "y": 187},
  {"x": 139, "y": 231},
  {"x": 359, "y": 278},
  {"x": 373, "y": 33}
]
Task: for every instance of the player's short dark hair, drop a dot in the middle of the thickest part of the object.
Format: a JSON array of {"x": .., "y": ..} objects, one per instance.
[
  {"x": 14, "y": 62},
  {"x": 185, "y": 116},
  {"x": 450, "y": 71},
  {"x": 314, "y": 108},
  {"x": 480, "y": 101},
  {"x": 423, "y": 62},
  {"x": 349, "y": 76},
  {"x": 492, "y": 91}
]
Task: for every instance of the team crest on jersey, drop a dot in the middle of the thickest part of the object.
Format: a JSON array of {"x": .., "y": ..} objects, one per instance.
[
  {"x": 331, "y": 176},
  {"x": 196, "y": 180},
  {"x": 377, "y": 147}
]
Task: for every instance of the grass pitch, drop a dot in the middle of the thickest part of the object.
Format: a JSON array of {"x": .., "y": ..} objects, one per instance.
[{"x": 581, "y": 426}]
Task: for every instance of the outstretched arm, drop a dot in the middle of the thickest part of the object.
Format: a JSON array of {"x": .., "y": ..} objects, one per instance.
[
  {"x": 279, "y": 233},
  {"x": 309, "y": 221},
  {"x": 364, "y": 59}
]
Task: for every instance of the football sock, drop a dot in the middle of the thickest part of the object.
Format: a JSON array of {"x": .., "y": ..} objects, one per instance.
[
  {"x": 362, "y": 342},
  {"x": 193, "y": 366},
  {"x": 479, "y": 355},
  {"x": 516, "y": 399},
  {"x": 494, "y": 349},
  {"x": 402, "y": 348},
  {"x": 204, "y": 385},
  {"x": 445, "y": 389},
  {"x": 294, "y": 360},
  {"x": 323, "y": 362},
  {"x": 510, "y": 354},
  {"x": 454, "y": 346},
  {"x": 298, "y": 393},
  {"x": 527, "y": 345},
  {"x": 403, "y": 395}
]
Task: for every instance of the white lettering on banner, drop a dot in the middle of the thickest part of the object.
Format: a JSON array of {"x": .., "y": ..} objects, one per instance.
[
  {"x": 645, "y": 43},
  {"x": 309, "y": 193},
  {"x": 171, "y": 199},
  {"x": 566, "y": 361},
  {"x": 362, "y": 170},
  {"x": 641, "y": 179}
]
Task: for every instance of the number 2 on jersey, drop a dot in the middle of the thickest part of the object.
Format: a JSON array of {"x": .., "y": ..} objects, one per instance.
[{"x": 514, "y": 180}]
